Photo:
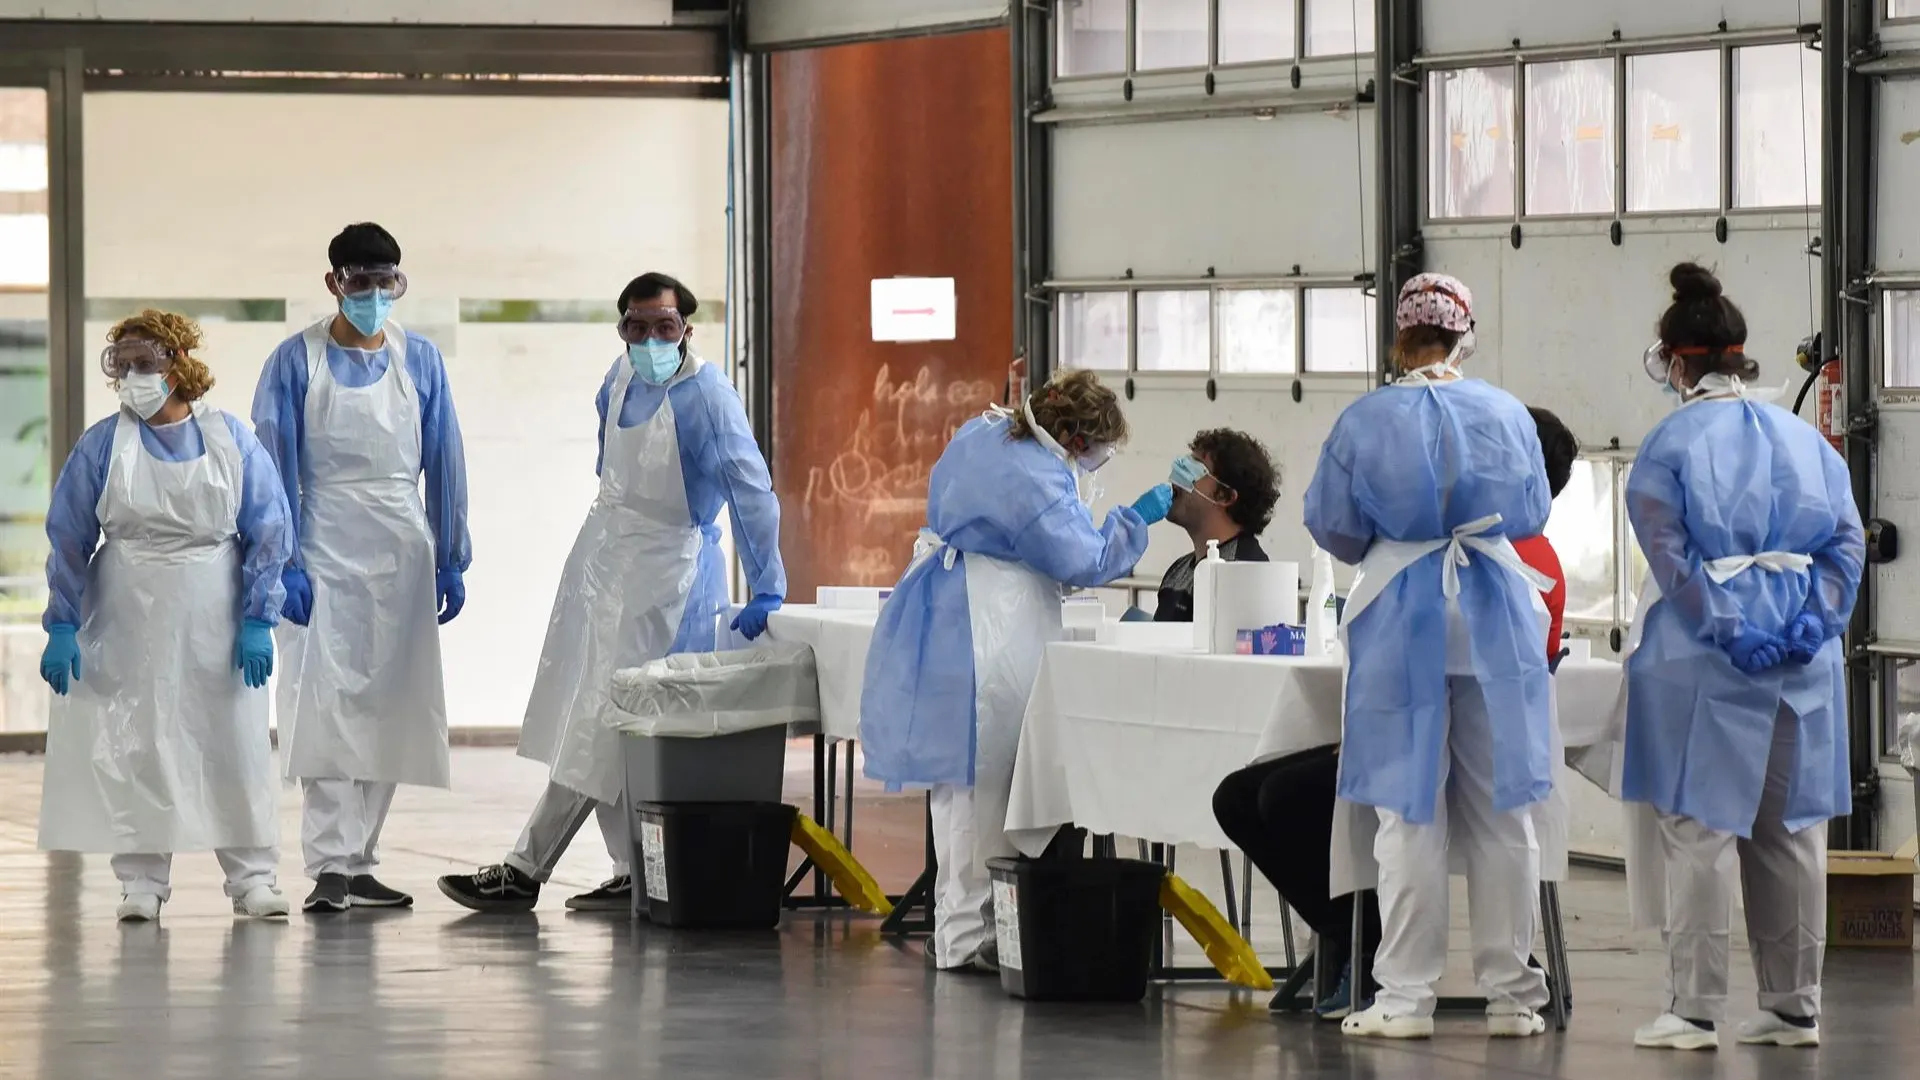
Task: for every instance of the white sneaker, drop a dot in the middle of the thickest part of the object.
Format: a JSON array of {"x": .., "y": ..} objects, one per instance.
[
  {"x": 1769, "y": 1030},
  {"x": 139, "y": 907},
  {"x": 1375, "y": 1023},
  {"x": 1671, "y": 1032},
  {"x": 1509, "y": 1021},
  {"x": 262, "y": 902}
]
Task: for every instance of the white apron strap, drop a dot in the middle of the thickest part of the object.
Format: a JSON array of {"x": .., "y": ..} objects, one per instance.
[{"x": 1773, "y": 562}]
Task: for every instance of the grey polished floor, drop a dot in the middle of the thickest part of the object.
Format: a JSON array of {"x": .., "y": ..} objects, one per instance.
[{"x": 435, "y": 992}]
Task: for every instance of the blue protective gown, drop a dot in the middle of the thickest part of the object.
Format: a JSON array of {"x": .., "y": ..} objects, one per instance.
[
  {"x": 1719, "y": 479},
  {"x": 279, "y": 417},
  {"x": 721, "y": 464},
  {"x": 1413, "y": 463},
  {"x": 1008, "y": 499},
  {"x": 73, "y": 525}
]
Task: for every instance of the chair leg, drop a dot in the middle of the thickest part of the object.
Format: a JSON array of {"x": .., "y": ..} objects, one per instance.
[
  {"x": 1557, "y": 966},
  {"x": 1226, "y": 879},
  {"x": 1246, "y": 904}
]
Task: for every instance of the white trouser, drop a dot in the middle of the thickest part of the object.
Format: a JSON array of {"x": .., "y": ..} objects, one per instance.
[
  {"x": 151, "y": 873},
  {"x": 969, "y": 827},
  {"x": 556, "y": 817},
  {"x": 340, "y": 825},
  {"x": 1783, "y": 880},
  {"x": 1502, "y": 858}
]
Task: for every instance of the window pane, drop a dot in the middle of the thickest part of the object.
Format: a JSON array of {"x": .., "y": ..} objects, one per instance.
[
  {"x": 1093, "y": 37},
  {"x": 1776, "y": 126},
  {"x": 1340, "y": 334},
  {"x": 1253, "y": 30},
  {"x": 1256, "y": 332},
  {"x": 1903, "y": 9},
  {"x": 1581, "y": 530},
  {"x": 1093, "y": 331},
  {"x": 1673, "y": 131},
  {"x": 1170, "y": 34},
  {"x": 1174, "y": 331},
  {"x": 1339, "y": 27},
  {"x": 1470, "y": 143},
  {"x": 1902, "y": 339},
  {"x": 1570, "y": 126}
]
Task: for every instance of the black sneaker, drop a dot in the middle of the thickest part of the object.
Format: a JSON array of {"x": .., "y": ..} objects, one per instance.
[
  {"x": 329, "y": 895},
  {"x": 612, "y": 895},
  {"x": 363, "y": 890},
  {"x": 494, "y": 888}
]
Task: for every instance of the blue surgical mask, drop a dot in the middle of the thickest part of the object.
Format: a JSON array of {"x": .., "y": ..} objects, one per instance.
[
  {"x": 654, "y": 361},
  {"x": 367, "y": 311},
  {"x": 1187, "y": 472}
]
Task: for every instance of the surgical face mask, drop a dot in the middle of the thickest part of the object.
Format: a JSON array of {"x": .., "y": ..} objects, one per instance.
[
  {"x": 367, "y": 311},
  {"x": 1084, "y": 485},
  {"x": 144, "y": 394},
  {"x": 654, "y": 361},
  {"x": 1187, "y": 472}
]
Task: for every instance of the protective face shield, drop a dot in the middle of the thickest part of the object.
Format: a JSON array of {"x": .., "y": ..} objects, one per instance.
[
  {"x": 135, "y": 356},
  {"x": 654, "y": 361},
  {"x": 662, "y": 324},
  {"x": 144, "y": 393}
]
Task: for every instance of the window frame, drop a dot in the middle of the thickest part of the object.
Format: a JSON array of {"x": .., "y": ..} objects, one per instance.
[
  {"x": 1300, "y": 285},
  {"x": 1131, "y": 69}
]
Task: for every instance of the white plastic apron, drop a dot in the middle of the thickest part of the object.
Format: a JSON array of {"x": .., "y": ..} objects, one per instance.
[
  {"x": 360, "y": 694},
  {"x": 160, "y": 746},
  {"x": 621, "y": 596},
  {"x": 1352, "y": 863}
]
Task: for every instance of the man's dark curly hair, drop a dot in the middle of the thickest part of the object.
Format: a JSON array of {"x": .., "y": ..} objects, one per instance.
[{"x": 1243, "y": 464}]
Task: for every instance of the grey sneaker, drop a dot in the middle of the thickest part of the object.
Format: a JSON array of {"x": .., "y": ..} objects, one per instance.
[
  {"x": 364, "y": 890},
  {"x": 329, "y": 895}
]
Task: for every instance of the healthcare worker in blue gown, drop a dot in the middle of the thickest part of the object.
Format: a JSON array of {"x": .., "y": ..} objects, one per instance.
[
  {"x": 1736, "y": 725},
  {"x": 169, "y": 530},
  {"x": 1447, "y": 731},
  {"x": 646, "y": 578},
  {"x": 958, "y": 644},
  {"x": 357, "y": 411}
]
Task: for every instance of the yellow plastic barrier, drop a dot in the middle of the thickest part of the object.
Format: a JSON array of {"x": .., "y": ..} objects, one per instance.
[
  {"x": 1226, "y": 949},
  {"x": 849, "y": 878}
]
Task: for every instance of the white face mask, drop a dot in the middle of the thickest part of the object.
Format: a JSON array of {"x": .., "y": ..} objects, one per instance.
[{"x": 144, "y": 394}]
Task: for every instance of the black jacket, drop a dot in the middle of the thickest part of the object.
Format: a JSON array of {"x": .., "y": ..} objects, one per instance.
[{"x": 1176, "y": 587}]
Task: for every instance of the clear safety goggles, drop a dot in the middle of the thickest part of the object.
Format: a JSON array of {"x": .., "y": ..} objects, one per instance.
[
  {"x": 360, "y": 280},
  {"x": 135, "y": 356},
  {"x": 661, "y": 325},
  {"x": 1660, "y": 356},
  {"x": 1094, "y": 459}
]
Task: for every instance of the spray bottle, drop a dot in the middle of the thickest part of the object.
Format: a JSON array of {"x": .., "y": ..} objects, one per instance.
[
  {"x": 1323, "y": 620},
  {"x": 1203, "y": 588}
]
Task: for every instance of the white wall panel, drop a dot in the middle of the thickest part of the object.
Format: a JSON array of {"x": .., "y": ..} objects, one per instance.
[
  {"x": 1243, "y": 196},
  {"x": 1897, "y": 483},
  {"x": 483, "y": 12},
  {"x": 1473, "y": 25},
  {"x": 781, "y": 22},
  {"x": 1897, "y": 156}
]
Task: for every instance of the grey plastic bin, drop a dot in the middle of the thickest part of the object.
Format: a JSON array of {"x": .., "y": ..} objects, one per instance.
[{"x": 747, "y": 766}]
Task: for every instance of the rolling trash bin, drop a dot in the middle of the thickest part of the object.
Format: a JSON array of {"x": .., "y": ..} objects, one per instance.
[
  {"x": 713, "y": 865},
  {"x": 1075, "y": 929}
]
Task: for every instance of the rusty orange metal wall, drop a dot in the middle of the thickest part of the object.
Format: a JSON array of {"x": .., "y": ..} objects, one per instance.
[{"x": 889, "y": 159}]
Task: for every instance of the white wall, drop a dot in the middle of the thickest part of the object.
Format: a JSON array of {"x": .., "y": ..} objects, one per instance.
[{"x": 507, "y": 12}]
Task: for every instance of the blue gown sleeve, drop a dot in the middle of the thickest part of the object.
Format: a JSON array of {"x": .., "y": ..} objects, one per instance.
[
  {"x": 266, "y": 530},
  {"x": 748, "y": 487},
  {"x": 279, "y": 425},
  {"x": 1333, "y": 517},
  {"x": 1063, "y": 544},
  {"x": 73, "y": 524},
  {"x": 443, "y": 457},
  {"x": 1656, "y": 505},
  {"x": 601, "y": 402},
  {"x": 1837, "y": 566}
]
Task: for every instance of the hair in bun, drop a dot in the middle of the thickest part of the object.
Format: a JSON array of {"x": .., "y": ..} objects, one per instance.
[
  {"x": 1693, "y": 282},
  {"x": 1706, "y": 324}
]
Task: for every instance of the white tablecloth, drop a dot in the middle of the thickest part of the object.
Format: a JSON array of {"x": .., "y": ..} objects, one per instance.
[
  {"x": 839, "y": 640},
  {"x": 1132, "y": 741}
]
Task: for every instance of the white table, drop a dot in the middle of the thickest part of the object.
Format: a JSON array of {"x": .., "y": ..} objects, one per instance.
[{"x": 839, "y": 640}]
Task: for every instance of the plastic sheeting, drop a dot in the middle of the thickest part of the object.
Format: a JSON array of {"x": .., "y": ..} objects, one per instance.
[{"x": 700, "y": 695}]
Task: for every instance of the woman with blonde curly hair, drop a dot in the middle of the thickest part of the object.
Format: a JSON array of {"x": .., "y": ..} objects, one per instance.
[
  {"x": 169, "y": 530},
  {"x": 958, "y": 644}
]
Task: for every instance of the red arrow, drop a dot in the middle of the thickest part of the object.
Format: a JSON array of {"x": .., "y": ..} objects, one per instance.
[{"x": 913, "y": 311}]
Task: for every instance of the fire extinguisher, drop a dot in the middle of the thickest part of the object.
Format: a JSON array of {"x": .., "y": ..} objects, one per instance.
[{"x": 1830, "y": 404}]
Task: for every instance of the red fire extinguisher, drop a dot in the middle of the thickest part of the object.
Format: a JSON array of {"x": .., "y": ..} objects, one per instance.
[{"x": 1830, "y": 404}]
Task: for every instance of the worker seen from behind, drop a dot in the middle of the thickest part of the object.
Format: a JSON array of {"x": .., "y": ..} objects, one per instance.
[
  {"x": 356, "y": 411},
  {"x": 646, "y": 578},
  {"x": 1736, "y": 726},
  {"x": 169, "y": 530},
  {"x": 1447, "y": 728},
  {"x": 1224, "y": 489},
  {"x": 958, "y": 643}
]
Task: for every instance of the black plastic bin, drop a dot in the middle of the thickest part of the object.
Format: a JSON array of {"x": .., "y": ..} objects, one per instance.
[
  {"x": 714, "y": 865},
  {"x": 1076, "y": 929}
]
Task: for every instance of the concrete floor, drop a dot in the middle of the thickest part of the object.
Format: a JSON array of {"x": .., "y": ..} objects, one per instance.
[{"x": 436, "y": 992}]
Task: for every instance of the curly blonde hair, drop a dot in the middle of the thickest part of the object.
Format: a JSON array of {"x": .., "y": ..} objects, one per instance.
[
  {"x": 1074, "y": 405},
  {"x": 189, "y": 377}
]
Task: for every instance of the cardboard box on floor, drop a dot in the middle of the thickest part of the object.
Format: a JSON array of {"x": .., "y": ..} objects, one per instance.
[{"x": 1870, "y": 899}]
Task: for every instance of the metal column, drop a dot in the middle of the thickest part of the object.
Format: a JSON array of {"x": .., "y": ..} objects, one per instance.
[
  {"x": 1396, "y": 88},
  {"x": 66, "y": 266},
  {"x": 1030, "y": 24}
]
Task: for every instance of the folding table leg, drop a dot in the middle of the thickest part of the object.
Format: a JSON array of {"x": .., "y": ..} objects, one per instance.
[
  {"x": 1226, "y": 879},
  {"x": 1286, "y": 927},
  {"x": 1246, "y": 904},
  {"x": 1557, "y": 965}
]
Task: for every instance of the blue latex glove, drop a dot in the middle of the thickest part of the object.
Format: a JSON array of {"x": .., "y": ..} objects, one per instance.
[
  {"x": 1754, "y": 652},
  {"x": 61, "y": 658},
  {"x": 752, "y": 620},
  {"x": 450, "y": 594},
  {"x": 1153, "y": 506},
  {"x": 253, "y": 652},
  {"x": 1805, "y": 636},
  {"x": 299, "y": 606}
]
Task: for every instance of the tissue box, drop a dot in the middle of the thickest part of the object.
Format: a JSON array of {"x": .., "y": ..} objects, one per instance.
[{"x": 1279, "y": 640}]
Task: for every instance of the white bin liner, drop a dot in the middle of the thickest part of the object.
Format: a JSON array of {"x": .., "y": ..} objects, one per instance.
[{"x": 700, "y": 695}]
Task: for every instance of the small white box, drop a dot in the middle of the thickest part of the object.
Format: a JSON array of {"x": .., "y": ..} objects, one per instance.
[
  {"x": 851, "y": 597},
  {"x": 1579, "y": 648}
]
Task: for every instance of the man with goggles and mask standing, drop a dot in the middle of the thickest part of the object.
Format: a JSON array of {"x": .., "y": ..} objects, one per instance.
[
  {"x": 646, "y": 578},
  {"x": 356, "y": 410},
  {"x": 1224, "y": 489}
]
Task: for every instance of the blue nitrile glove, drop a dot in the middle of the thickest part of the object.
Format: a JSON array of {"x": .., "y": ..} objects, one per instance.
[
  {"x": 752, "y": 620},
  {"x": 253, "y": 652},
  {"x": 1806, "y": 634},
  {"x": 61, "y": 658},
  {"x": 299, "y": 606},
  {"x": 1153, "y": 506},
  {"x": 1754, "y": 652},
  {"x": 450, "y": 594}
]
